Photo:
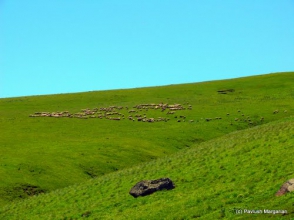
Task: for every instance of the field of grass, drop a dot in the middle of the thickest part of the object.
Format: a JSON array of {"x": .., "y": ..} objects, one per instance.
[
  {"x": 214, "y": 179},
  {"x": 42, "y": 154}
]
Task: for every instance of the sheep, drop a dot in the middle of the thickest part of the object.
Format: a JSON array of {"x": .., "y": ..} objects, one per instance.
[
  {"x": 117, "y": 119},
  {"x": 150, "y": 119}
]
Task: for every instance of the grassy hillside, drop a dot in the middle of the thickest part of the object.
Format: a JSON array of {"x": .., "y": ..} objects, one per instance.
[
  {"x": 241, "y": 170},
  {"x": 41, "y": 154}
]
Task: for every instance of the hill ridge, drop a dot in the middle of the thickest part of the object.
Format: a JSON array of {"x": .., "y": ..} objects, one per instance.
[{"x": 212, "y": 162}]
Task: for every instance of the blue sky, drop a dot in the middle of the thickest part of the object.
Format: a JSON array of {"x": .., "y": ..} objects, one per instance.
[{"x": 49, "y": 47}]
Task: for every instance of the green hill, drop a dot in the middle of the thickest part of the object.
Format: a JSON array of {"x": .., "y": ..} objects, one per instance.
[
  {"x": 238, "y": 171},
  {"x": 42, "y": 154}
]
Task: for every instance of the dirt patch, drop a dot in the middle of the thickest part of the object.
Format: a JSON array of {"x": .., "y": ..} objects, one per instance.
[
  {"x": 30, "y": 190},
  {"x": 225, "y": 91},
  {"x": 20, "y": 191}
]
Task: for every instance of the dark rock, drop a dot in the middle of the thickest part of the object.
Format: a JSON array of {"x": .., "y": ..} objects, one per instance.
[
  {"x": 286, "y": 187},
  {"x": 147, "y": 187}
]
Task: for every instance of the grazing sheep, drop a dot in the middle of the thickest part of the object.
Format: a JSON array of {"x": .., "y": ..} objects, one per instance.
[{"x": 150, "y": 119}]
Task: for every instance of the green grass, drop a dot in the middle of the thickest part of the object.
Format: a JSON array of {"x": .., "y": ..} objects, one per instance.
[
  {"x": 53, "y": 153},
  {"x": 240, "y": 170}
]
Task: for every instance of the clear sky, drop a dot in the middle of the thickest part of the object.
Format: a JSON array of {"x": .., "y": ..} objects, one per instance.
[{"x": 63, "y": 46}]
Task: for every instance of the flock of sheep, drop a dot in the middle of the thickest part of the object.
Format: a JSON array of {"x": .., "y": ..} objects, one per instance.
[
  {"x": 114, "y": 112},
  {"x": 136, "y": 113}
]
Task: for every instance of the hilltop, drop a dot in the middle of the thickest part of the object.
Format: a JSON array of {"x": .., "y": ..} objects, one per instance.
[{"x": 43, "y": 154}]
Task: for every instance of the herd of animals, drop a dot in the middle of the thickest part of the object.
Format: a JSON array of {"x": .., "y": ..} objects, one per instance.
[{"x": 139, "y": 113}]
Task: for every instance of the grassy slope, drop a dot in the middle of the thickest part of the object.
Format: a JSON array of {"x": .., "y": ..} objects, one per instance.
[
  {"x": 241, "y": 170},
  {"x": 53, "y": 153}
]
